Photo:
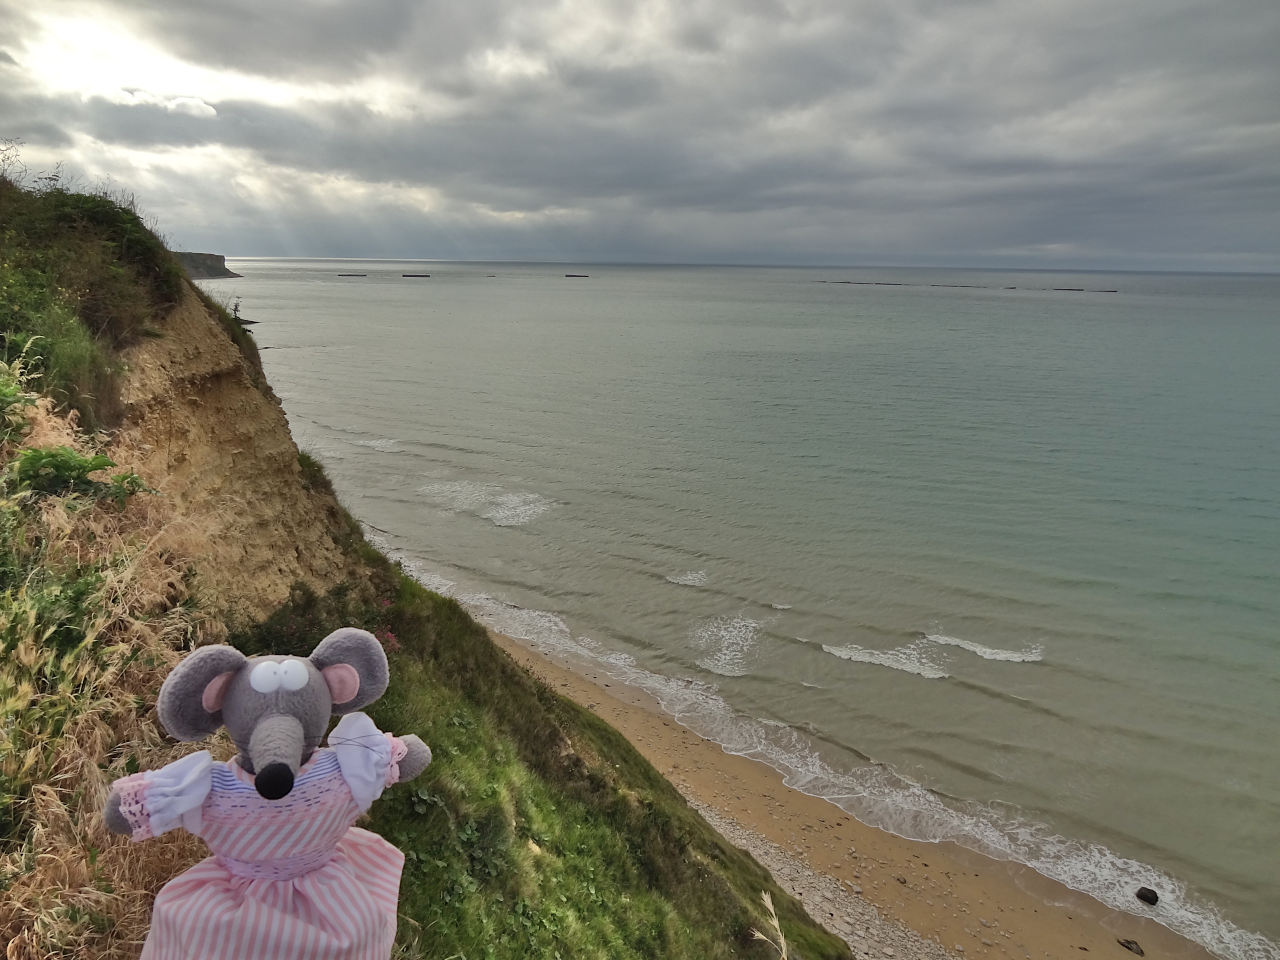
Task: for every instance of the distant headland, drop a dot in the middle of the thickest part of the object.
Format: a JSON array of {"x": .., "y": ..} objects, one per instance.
[{"x": 205, "y": 266}]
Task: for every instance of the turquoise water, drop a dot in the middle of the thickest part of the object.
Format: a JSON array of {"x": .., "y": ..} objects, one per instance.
[{"x": 986, "y": 564}]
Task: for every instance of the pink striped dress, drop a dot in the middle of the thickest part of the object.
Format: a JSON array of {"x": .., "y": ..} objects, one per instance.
[{"x": 289, "y": 879}]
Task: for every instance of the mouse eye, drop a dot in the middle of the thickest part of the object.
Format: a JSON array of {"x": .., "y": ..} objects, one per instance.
[
  {"x": 265, "y": 677},
  {"x": 293, "y": 675}
]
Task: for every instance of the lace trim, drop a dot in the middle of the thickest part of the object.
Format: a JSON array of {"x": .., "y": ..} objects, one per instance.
[
  {"x": 398, "y": 751},
  {"x": 133, "y": 804}
]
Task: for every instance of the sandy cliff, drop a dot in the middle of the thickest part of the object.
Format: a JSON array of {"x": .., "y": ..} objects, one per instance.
[{"x": 198, "y": 430}]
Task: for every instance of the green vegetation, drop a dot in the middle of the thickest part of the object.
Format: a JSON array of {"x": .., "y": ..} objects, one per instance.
[
  {"x": 80, "y": 278},
  {"x": 54, "y": 599},
  {"x": 313, "y": 476},
  {"x": 62, "y": 470},
  {"x": 14, "y": 401}
]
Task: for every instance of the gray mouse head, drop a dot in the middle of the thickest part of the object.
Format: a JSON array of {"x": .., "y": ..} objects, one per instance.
[{"x": 275, "y": 708}]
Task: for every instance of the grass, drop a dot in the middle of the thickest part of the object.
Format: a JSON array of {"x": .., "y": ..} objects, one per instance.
[
  {"x": 55, "y": 597},
  {"x": 775, "y": 937},
  {"x": 91, "y": 610},
  {"x": 80, "y": 277}
]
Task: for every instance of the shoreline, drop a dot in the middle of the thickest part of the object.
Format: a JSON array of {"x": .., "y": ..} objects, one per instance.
[{"x": 887, "y": 896}]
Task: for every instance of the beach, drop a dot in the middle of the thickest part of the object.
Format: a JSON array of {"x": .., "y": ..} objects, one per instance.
[{"x": 885, "y": 895}]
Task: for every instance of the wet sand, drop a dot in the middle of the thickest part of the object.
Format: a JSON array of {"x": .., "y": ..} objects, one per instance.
[{"x": 971, "y": 905}]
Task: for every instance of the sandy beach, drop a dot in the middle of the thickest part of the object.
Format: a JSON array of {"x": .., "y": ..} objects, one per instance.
[{"x": 887, "y": 896}]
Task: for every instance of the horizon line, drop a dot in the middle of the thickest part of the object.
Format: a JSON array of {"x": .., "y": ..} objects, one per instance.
[{"x": 758, "y": 265}]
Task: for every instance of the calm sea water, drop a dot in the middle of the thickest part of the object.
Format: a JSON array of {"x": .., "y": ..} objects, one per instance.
[{"x": 976, "y": 558}]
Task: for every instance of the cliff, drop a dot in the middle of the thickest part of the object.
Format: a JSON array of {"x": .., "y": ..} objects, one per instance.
[
  {"x": 217, "y": 447},
  {"x": 204, "y": 266},
  {"x": 538, "y": 832}
]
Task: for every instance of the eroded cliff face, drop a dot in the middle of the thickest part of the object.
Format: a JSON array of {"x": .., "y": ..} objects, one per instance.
[{"x": 199, "y": 432}]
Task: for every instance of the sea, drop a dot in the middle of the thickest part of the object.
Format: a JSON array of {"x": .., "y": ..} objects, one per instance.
[{"x": 980, "y": 556}]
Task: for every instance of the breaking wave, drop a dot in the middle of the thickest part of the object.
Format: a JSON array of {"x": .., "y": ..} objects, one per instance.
[
  {"x": 690, "y": 578},
  {"x": 916, "y": 658},
  {"x": 1029, "y": 655}
]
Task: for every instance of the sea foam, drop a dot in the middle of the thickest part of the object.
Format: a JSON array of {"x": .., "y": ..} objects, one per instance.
[
  {"x": 690, "y": 578},
  {"x": 516, "y": 509},
  {"x": 431, "y": 579},
  {"x": 381, "y": 444},
  {"x": 728, "y": 642},
  {"x": 534, "y": 626},
  {"x": 1029, "y": 655},
  {"x": 501, "y": 507}
]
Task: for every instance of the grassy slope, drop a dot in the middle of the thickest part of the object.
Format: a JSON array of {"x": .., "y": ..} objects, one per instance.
[
  {"x": 81, "y": 276},
  {"x": 538, "y": 831}
]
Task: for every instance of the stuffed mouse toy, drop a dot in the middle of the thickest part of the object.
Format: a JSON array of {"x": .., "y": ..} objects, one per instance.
[{"x": 290, "y": 878}]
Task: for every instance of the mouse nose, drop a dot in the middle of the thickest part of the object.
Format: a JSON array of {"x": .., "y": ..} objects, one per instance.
[
  {"x": 275, "y": 752},
  {"x": 274, "y": 781}
]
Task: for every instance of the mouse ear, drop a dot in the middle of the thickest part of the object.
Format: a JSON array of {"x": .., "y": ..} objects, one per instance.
[
  {"x": 354, "y": 666},
  {"x": 190, "y": 703}
]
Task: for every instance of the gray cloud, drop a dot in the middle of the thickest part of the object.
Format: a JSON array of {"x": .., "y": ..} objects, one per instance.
[
  {"x": 325, "y": 40},
  {"x": 311, "y": 39},
  {"x": 830, "y": 130}
]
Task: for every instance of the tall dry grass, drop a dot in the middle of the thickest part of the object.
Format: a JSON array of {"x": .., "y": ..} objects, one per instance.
[
  {"x": 774, "y": 938},
  {"x": 75, "y": 719}
]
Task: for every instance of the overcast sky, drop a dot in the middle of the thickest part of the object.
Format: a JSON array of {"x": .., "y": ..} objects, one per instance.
[{"x": 1104, "y": 133}]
